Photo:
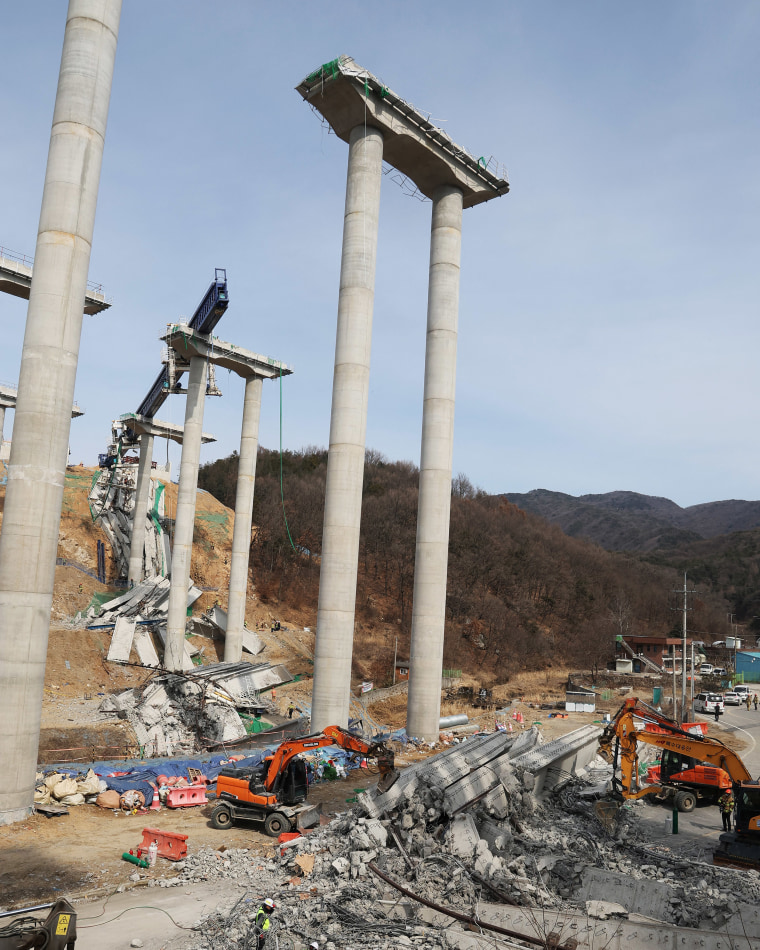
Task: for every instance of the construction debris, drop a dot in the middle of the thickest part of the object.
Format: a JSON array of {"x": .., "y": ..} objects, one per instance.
[
  {"x": 424, "y": 865},
  {"x": 112, "y": 500},
  {"x": 178, "y": 714}
]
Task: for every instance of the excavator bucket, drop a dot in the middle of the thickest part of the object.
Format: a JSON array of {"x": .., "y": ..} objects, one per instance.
[
  {"x": 387, "y": 780},
  {"x": 607, "y": 812}
]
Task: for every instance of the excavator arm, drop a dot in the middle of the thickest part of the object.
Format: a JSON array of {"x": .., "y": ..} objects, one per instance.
[
  {"x": 332, "y": 735},
  {"x": 621, "y": 737}
]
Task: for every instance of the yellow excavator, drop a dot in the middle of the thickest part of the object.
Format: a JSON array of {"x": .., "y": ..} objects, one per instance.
[{"x": 722, "y": 767}]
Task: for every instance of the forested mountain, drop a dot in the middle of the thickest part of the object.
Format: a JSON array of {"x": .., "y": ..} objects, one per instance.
[
  {"x": 521, "y": 594},
  {"x": 628, "y": 521}
]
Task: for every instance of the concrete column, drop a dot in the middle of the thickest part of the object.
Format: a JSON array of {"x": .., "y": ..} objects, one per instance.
[
  {"x": 2, "y": 423},
  {"x": 348, "y": 427},
  {"x": 434, "y": 506},
  {"x": 140, "y": 511},
  {"x": 184, "y": 523},
  {"x": 46, "y": 387},
  {"x": 241, "y": 534}
]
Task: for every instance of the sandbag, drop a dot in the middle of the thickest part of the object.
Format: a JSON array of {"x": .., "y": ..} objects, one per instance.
[
  {"x": 108, "y": 799},
  {"x": 67, "y": 787},
  {"x": 42, "y": 795},
  {"x": 53, "y": 779},
  {"x": 90, "y": 785},
  {"x": 75, "y": 799},
  {"x": 102, "y": 786}
]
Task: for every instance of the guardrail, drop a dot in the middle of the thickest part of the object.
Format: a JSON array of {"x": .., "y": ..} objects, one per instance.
[{"x": 27, "y": 261}]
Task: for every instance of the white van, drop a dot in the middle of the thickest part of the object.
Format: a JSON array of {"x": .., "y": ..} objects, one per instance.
[
  {"x": 742, "y": 688},
  {"x": 705, "y": 668}
]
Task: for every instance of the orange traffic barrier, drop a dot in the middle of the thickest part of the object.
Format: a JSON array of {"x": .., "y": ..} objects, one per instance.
[
  {"x": 171, "y": 846},
  {"x": 186, "y": 796}
]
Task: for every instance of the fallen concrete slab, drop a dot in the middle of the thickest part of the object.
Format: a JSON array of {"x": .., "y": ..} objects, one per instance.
[
  {"x": 555, "y": 762},
  {"x": 121, "y": 641}
]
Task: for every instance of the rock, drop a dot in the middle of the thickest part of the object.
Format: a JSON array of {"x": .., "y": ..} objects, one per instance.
[{"x": 136, "y": 942}]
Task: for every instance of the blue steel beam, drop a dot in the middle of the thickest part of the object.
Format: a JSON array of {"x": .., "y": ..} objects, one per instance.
[{"x": 209, "y": 312}]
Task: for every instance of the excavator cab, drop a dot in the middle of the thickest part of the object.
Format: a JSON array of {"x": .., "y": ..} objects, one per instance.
[
  {"x": 747, "y": 814},
  {"x": 292, "y": 785}
]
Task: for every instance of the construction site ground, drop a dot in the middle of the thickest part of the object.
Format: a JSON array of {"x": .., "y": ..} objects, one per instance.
[{"x": 79, "y": 854}]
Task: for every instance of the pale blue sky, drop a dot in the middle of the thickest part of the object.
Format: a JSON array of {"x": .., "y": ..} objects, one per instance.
[{"x": 608, "y": 319}]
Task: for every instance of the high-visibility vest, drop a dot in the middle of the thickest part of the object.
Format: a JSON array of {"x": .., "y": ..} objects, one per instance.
[{"x": 266, "y": 924}]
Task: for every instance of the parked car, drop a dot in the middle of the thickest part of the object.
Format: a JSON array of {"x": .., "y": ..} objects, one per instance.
[
  {"x": 706, "y": 702},
  {"x": 743, "y": 689},
  {"x": 719, "y": 671},
  {"x": 705, "y": 668},
  {"x": 732, "y": 698}
]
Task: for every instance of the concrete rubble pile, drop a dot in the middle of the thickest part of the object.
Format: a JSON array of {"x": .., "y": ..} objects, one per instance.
[
  {"x": 139, "y": 613},
  {"x": 532, "y": 863},
  {"x": 175, "y": 715}
]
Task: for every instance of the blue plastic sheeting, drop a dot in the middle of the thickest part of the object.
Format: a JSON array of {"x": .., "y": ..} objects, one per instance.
[{"x": 138, "y": 775}]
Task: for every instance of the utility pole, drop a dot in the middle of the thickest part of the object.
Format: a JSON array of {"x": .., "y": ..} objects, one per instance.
[
  {"x": 684, "y": 714},
  {"x": 395, "y": 655}
]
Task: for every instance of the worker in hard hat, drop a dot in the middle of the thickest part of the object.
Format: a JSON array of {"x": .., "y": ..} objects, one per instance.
[{"x": 262, "y": 921}]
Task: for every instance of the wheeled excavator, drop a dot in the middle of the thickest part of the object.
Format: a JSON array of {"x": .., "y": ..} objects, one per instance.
[
  {"x": 710, "y": 764},
  {"x": 275, "y": 791}
]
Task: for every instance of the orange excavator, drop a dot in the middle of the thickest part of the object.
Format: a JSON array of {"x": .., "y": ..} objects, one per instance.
[
  {"x": 275, "y": 791},
  {"x": 699, "y": 767}
]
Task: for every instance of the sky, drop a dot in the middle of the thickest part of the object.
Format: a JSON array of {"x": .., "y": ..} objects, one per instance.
[{"x": 608, "y": 331}]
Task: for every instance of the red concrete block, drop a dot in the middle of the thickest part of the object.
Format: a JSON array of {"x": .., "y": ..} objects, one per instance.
[
  {"x": 171, "y": 846},
  {"x": 186, "y": 796}
]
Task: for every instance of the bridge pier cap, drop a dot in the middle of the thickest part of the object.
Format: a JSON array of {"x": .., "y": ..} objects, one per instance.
[{"x": 347, "y": 95}]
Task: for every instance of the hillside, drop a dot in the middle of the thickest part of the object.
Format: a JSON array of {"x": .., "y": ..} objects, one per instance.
[
  {"x": 521, "y": 594},
  {"x": 628, "y": 521}
]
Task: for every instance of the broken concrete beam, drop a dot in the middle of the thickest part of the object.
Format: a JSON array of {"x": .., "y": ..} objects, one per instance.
[
  {"x": 637, "y": 895},
  {"x": 469, "y": 789},
  {"x": 555, "y": 762},
  {"x": 121, "y": 640},
  {"x": 146, "y": 651},
  {"x": 462, "y": 836}
]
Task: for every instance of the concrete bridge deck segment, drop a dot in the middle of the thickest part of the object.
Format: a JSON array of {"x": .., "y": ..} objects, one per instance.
[
  {"x": 16, "y": 279},
  {"x": 143, "y": 425},
  {"x": 188, "y": 343},
  {"x": 8, "y": 401},
  {"x": 347, "y": 95}
]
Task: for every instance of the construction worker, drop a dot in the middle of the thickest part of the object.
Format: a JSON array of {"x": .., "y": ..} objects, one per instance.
[
  {"x": 262, "y": 921},
  {"x": 314, "y": 945},
  {"x": 726, "y": 804},
  {"x": 292, "y": 709}
]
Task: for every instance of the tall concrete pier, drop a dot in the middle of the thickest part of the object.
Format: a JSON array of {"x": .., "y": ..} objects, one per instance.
[
  {"x": 432, "y": 556},
  {"x": 348, "y": 429},
  {"x": 241, "y": 533},
  {"x": 39, "y": 450},
  {"x": 358, "y": 106},
  {"x": 142, "y": 492},
  {"x": 184, "y": 521},
  {"x": 254, "y": 368}
]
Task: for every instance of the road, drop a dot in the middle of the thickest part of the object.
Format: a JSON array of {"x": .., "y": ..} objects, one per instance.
[{"x": 698, "y": 831}]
